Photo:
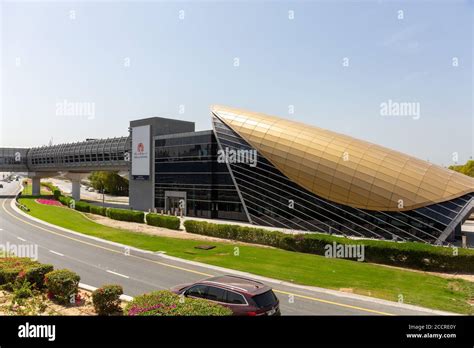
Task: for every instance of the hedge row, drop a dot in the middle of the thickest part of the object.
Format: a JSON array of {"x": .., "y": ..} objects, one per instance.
[
  {"x": 98, "y": 210},
  {"x": 125, "y": 215},
  {"x": 166, "y": 303},
  {"x": 407, "y": 254},
  {"x": 57, "y": 193},
  {"x": 65, "y": 200},
  {"x": 53, "y": 188},
  {"x": 82, "y": 206},
  {"x": 171, "y": 222},
  {"x": 113, "y": 213}
]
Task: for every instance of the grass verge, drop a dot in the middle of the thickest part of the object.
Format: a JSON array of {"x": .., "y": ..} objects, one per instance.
[{"x": 367, "y": 279}]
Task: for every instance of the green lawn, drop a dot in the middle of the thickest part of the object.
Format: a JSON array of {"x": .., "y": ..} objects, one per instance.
[{"x": 366, "y": 279}]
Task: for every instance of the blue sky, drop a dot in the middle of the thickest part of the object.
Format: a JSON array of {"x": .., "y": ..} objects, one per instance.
[{"x": 48, "y": 57}]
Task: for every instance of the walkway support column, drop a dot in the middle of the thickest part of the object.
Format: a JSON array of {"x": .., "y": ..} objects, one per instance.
[
  {"x": 76, "y": 189},
  {"x": 36, "y": 186},
  {"x": 76, "y": 179},
  {"x": 36, "y": 180}
]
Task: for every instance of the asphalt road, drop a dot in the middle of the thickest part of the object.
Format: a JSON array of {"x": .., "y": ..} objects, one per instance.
[{"x": 101, "y": 263}]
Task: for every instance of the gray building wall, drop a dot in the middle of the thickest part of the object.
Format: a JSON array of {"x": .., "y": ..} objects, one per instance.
[{"x": 142, "y": 191}]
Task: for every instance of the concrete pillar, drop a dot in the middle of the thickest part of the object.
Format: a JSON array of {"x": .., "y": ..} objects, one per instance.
[
  {"x": 36, "y": 186},
  {"x": 76, "y": 189},
  {"x": 76, "y": 183},
  {"x": 36, "y": 180},
  {"x": 464, "y": 240}
]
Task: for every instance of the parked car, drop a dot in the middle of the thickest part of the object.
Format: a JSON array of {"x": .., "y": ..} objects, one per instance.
[
  {"x": 243, "y": 296},
  {"x": 1, "y": 185},
  {"x": 90, "y": 189}
]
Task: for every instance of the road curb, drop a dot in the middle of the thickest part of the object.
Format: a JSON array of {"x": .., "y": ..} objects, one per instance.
[{"x": 246, "y": 274}]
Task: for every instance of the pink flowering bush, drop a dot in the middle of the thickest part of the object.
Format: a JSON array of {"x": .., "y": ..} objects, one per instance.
[
  {"x": 166, "y": 303},
  {"x": 48, "y": 201}
]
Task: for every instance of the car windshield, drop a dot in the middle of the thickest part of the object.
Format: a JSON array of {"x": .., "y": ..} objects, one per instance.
[{"x": 266, "y": 299}]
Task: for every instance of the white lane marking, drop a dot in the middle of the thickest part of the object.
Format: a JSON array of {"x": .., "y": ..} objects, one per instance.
[
  {"x": 55, "y": 252},
  {"x": 120, "y": 275},
  {"x": 22, "y": 239}
]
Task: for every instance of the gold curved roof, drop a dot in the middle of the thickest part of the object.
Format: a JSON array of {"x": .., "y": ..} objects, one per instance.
[{"x": 343, "y": 169}]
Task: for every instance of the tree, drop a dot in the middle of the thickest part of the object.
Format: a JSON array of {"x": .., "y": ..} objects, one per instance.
[
  {"x": 467, "y": 168},
  {"x": 110, "y": 182}
]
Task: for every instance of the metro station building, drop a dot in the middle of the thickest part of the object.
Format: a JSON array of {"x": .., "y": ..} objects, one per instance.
[{"x": 269, "y": 171}]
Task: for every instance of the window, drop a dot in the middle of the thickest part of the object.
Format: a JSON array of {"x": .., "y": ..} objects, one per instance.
[
  {"x": 265, "y": 300},
  {"x": 216, "y": 294},
  {"x": 197, "y": 291},
  {"x": 235, "y": 298}
]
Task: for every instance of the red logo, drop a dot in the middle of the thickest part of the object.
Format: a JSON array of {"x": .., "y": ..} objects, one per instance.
[{"x": 140, "y": 148}]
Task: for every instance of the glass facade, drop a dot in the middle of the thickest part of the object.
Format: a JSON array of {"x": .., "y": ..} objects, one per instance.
[
  {"x": 186, "y": 168},
  {"x": 272, "y": 199}
]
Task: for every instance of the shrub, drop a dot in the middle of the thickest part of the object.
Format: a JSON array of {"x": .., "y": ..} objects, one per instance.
[
  {"x": 403, "y": 254},
  {"x": 62, "y": 285},
  {"x": 98, "y": 210},
  {"x": 166, "y": 303},
  {"x": 52, "y": 188},
  {"x": 12, "y": 267},
  {"x": 8, "y": 277},
  {"x": 82, "y": 206},
  {"x": 126, "y": 215},
  {"x": 106, "y": 299},
  {"x": 22, "y": 289},
  {"x": 65, "y": 200},
  {"x": 35, "y": 275},
  {"x": 171, "y": 222},
  {"x": 56, "y": 193}
]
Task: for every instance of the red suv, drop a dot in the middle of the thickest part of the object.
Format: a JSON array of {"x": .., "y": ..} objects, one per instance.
[{"x": 242, "y": 295}]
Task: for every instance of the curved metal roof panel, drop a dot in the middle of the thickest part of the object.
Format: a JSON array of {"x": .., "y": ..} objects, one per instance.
[{"x": 343, "y": 169}]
